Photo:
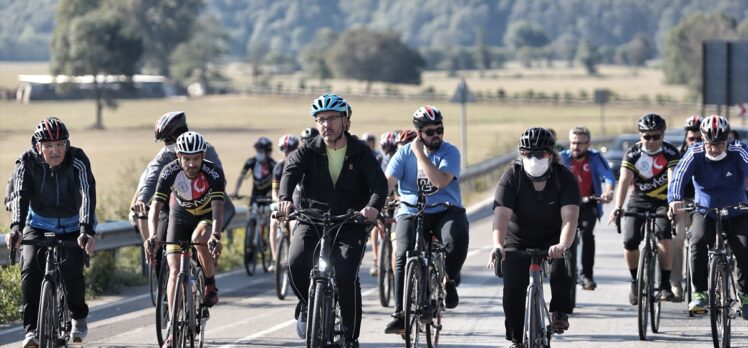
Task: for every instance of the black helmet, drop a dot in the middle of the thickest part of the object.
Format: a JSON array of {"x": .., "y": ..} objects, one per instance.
[
  {"x": 535, "y": 139},
  {"x": 264, "y": 144},
  {"x": 427, "y": 115},
  {"x": 692, "y": 123},
  {"x": 309, "y": 133},
  {"x": 652, "y": 122},
  {"x": 50, "y": 129},
  {"x": 170, "y": 126}
]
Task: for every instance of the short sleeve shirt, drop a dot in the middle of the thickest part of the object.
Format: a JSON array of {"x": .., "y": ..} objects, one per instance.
[
  {"x": 536, "y": 215},
  {"x": 651, "y": 181},
  {"x": 404, "y": 166},
  {"x": 194, "y": 195},
  {"x": 278, "y": 173},
  {"x": 262, "y": 175}
]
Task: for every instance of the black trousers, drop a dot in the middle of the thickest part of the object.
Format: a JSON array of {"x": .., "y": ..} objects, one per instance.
[
  {"x": 586, "y": 223},
  {"x": 516, "y": 279},
  {"x": 450, "y": 227},
  {"x": 703, "y": 238},
  {"x": 32, "y": 274},
  {"x": 347, "y": 253}
]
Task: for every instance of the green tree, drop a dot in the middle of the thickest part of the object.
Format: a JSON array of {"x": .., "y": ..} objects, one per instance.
[
  {"x": 525, "y": 34},
  {"x": 743, "y": 29},
  {"x": 482, "y": 55},
  {"x": 683, "y": 49},
  {"x": 367, "y": 55},
  {"x": 313, "y": 56},
  {"x": 94, "y": 41},
  {"x": 638, "y": 50},
  {"x": 197, "y": 59},
  {"x": 588, "y": 56}
]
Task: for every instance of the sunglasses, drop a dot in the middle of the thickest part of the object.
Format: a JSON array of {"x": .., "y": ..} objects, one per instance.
[
  {"x": 431, "y": 132},
  {"x": 539, "y": 154},
  {"x": 694, "y": 139},
  {"x": 651, "y": 137}
]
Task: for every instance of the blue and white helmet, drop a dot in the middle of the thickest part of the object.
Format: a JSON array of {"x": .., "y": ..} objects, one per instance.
[
  {"x": 329, "y": 101},
  {"x": 191, "y": 142}
]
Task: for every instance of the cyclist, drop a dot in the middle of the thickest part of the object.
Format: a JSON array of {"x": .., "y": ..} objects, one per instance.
[
  {"x": 718, "y": 170},
  {"x": 432, "y": 166},
  {"x": 388, "y": 143},
  {"x": 286, "y": 144},
  {"x": 196, "y": 186},
  {"x": 590, "y": 169},
  {"x": 261, "y": 165},
  {"x": 308, "y": 133},
  {"x": 336, "y": 172},
  {"x": 168, "y": 127},
  {"x": 54, "y": 191},
  {"x": 692, "y": 135},
  {"x": 647, "y": 165},
  {"x": 371, "y": 140},
  {"x": 536, "y": 205}
]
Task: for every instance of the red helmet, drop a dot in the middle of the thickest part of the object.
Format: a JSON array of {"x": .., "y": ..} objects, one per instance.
[
  {"x": 407, "y": 136},
  {"x": 288, "y": 143}
]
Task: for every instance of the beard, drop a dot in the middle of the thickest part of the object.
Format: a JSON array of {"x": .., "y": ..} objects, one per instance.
[
  {"x": 578, "y": 155},
  {"x": 433, "y": 145}
]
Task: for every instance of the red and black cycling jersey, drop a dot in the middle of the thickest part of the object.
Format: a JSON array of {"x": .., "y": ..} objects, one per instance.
[
  {"x": 191, "y": 194},
  {"x": 650, "y": 183}
]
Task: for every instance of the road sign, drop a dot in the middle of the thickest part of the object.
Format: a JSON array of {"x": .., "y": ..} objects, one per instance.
[
  {"x": 725, "y": 72},
  {"x": 462, "y": 94},
  {"x": 601, "y": 96}
]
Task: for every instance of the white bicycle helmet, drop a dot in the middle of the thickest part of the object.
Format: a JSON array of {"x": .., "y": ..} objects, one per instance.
[{"x": 191, "y": 142}]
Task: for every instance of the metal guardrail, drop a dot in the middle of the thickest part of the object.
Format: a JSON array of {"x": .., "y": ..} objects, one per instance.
[{"x": 112, "y": 235}]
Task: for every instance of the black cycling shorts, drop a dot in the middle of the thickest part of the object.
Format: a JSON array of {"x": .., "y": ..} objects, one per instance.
[{"x": 182, "y": 224}]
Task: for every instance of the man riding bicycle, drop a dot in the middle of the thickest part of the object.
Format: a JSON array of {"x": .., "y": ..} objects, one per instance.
[
  {"x": 196, "y": 186},
  {"x": 336, "y": 172},
  {"x": 718, "y": 170},
  {"x": 647, "y": 165},
  {"x": 590, "y": 169},
  {"x": 168, "y": 128},
  {"x": 432, "y": 166},
  {"x": 54, "y": 191},
  {"x": 261, "y": 165},
  {"x": 536, "y": 206}
]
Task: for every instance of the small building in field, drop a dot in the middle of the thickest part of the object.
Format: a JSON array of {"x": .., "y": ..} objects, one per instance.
[{"x": 62, "y": 87}]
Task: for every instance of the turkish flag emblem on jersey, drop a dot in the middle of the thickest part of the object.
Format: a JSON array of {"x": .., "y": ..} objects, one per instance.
[
  {"x": 659, "y": 164},
  {"x": 199, "y": 185}
]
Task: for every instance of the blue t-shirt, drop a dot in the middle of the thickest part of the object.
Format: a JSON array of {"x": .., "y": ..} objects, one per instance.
[{"x": 404, "y": 166}]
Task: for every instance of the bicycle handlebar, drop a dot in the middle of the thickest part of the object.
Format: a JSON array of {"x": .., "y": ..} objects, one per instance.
[
  {"x": 592, "y": 198},
  {"x": 645, "y": 215},
  {"x": 317, "y": 217},
  {"x": 50, "y": 242},
  {"x": 434, "y": 205}
]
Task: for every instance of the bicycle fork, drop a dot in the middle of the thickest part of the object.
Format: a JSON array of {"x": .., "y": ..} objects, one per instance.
[{"x": 535, "y": 303}]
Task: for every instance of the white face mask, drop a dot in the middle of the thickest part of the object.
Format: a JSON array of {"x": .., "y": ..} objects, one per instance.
[
  {"x": 535, "y": 167},
  {"x": 644, "y": 148},
  {"x": 718, "y": 158},
  {"x": 172, "y": 147},
  {"x": 260, "y": 156}
]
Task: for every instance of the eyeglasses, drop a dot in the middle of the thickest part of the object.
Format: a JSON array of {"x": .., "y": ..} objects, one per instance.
[
  {"x": 431, "y": 132},
  {"x": 693, "y": 139},
  {"x": 539, "y": 154},
  {"x": 651, "y": 136},
  {"x": 321, "y": 120}
]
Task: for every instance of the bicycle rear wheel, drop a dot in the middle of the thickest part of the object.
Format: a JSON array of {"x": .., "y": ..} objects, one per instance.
[
  {"x": 435, "y": 326},
  {"x": 384, "y": 276},
  {"x": 264, "y": 249},
  {"x": 162, "y": 306},
  {"x": 411, "y": 303},
  {"x": 201, "y": 310},
  {"x": 719, "y": 303},
  {"x": 642, "y": 292},
  {"x": 46, "y": 328},
  {"x": 250, "y": 259},
  {"x": 655, "y": 304},
  {"x": 281, "y": 268},
  {"x": 688, "y": 288},
  {"x": 153, "y": 282}
]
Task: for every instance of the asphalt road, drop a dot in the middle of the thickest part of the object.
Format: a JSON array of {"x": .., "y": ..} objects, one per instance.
[{"x": 249, "y": 314}]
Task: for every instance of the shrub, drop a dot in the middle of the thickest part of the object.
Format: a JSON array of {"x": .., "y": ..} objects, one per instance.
[{"x": 10, "y": 294}]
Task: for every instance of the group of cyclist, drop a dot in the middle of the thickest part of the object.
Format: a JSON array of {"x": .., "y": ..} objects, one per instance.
[{"x": 547, "y": 199}]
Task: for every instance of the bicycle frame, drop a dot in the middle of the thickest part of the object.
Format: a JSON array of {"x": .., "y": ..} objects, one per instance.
[
  {"x": 187, "y": 278},
  {"x": 537, "y": 316}
]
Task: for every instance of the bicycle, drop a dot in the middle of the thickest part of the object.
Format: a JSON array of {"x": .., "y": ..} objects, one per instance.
[
  {"x": 282, "y": 245},
  {"x": 54, "y": 325},
  {"x": 256, "y": 244},
  {"x": 162, "y": 303},
  {"x": 537, "y": 329},
  {"x": 648, "y": 303},
  {"x": 189, "y": 314},
  {"x": 324, "y": 324},
  {"x": 423, "y": 298},
  {"x": 385, "y": 273},
  {"x": 723, "y": 298}
]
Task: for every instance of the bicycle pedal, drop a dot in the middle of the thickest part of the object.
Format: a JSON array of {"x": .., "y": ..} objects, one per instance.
[{"x": 699, "y": 311}]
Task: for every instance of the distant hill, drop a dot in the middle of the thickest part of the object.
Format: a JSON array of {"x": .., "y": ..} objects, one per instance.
[{"x": 286, "y": 26}]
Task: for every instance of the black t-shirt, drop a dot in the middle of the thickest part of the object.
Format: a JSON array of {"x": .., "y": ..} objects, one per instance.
[{"x": 536, "y": 218}]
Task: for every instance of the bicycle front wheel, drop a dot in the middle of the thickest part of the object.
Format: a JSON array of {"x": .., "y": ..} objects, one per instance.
[
  {"x": 179, "y": 318},
  {"x": 719, "y": 303},
  {"x": 642, "y": 293},
  {"x": 411, "y": 303},
  {"x": 319, "y": 315},
  {"x": 201, "y": 310},
  {"x": 688, "y": 288},
  {"x": 384, "y": 276},
  {"x": 47, "y": 325},
  {"x": 250, "y": 260},
  {"x": 281, "y": 268},
  {"x": 655, "y": 304}
]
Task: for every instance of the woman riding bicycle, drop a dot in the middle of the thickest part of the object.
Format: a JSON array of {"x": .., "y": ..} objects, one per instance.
[
  {"x": 536, "y": 205},
  {"x": 718, "y": 170}
]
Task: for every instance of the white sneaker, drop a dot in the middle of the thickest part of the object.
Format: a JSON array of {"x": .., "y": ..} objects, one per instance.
[
  {"x": 374, "y": 270},
  {"x": 80, "y": 330},
  {"x": 271, "y": 268},
  {"x": 301, "y": 323},
  {"x": 30, "y": 341}
]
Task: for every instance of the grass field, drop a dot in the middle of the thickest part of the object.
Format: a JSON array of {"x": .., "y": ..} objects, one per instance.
[{"x": 233, "y": 122}]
